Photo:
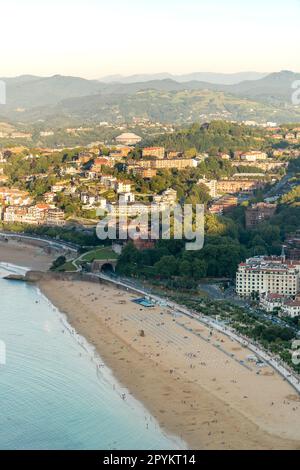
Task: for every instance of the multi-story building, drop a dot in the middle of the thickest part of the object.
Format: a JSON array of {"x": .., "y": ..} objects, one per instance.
[
  {"x": 55, "y": 217},
  {"x": 168, "y": 197},
  {"x": 14, "y": 197},
  {"x": 158, "y": 152},
  {"x": 223, "y": 204},
  {"x": 292, "y": 246},
  {"x": 123, "y": 187},
  {"x": 266, "y": 165},
  {"x": 178, "y": 163},
  {"x": 270, "y": 302},
  {"x": 165, "y": 163},
  {"x": 259, "y": 212},
  {"x": 211, "y": 186},
  {"x": 291, "y": 308},
  {"x": 101, "y": 162},
  {"x": 263, "y": 275},
  {"x": 128, "y": 210},
  {"x": 39, "y": 214},
  {"x": 253, "y": 156},
  {"x": 49, "y": 197},
  {"x": 125, "y": 198},
  {"x": 58, "y": 187},
  {"x": 146, "y": 173},
  {"x": 234, "y": 186},
  {"x": 88, "y": 199},
  {"x": 108, "y": 181}
]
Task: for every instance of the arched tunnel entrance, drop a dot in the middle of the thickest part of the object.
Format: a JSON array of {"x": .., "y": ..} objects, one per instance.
[{"x": 107, "y": 268}]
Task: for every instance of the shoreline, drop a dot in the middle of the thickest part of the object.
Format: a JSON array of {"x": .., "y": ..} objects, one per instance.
[
  {"x": 107, "y": 373},
  {"x": 25, "y": 255},
  {"x": 196, "y": 403}
]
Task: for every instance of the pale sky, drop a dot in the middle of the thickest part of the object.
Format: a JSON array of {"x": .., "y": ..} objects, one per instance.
[{"x": 93, "y": 38}]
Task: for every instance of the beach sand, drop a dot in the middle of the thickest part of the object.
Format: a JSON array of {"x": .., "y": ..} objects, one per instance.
[
  {"x": 25, "y": 255},
  {"x": 194, "y": 390}
]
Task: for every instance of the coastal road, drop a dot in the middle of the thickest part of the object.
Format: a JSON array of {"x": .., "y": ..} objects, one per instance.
[{"x": 57, "y": 244}]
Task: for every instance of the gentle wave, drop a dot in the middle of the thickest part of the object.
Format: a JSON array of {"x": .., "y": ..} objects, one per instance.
[{"x": 55, "y": 391}]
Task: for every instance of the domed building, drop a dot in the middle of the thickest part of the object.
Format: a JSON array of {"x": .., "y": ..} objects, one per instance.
[{"x": 128, "y": 138}]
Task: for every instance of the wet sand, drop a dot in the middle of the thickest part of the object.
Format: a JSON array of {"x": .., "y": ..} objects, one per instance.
[{"x": 25, "y": 255}]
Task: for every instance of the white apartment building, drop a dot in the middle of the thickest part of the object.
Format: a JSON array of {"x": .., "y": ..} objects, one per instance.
[
  {"x": 125, "y": 198},
  {"x": 127, "y": 210},
  {"x": 108, "y": 181},
  {"x": 263, "y": 275},
  {"x": 291, "y": 308},
  {"x": 211, "y": 186},
  {"x": 253, "y": 156},
  {"x": 123, "y": 187},
  {"x": 168, "y": 197}
]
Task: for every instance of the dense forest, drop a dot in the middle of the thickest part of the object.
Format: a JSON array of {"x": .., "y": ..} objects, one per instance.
[{"x": 218, "y": 136}]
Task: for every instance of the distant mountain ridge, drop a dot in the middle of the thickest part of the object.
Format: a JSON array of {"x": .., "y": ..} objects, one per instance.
[
  {"x": 28, "y": 91},
  {"x": 209, "y": 77},
  {"x": 31, "y": 99}
]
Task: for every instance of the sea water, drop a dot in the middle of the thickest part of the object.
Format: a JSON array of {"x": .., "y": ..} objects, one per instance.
[{"x": 55, "y": 392}]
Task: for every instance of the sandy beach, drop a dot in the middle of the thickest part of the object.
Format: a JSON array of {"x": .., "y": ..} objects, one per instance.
[
  {"x": 195, "y": 390},
  {"x": 25, "y": 255}
]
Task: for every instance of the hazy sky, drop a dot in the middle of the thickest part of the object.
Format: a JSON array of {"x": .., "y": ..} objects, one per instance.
[{"x": 92, "y": 38}]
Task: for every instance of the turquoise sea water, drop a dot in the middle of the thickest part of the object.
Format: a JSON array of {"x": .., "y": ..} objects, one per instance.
[{"x": 55, "y": 392}]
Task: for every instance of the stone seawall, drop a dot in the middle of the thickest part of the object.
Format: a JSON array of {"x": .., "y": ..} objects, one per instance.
[{"x": 37, "y": 276}]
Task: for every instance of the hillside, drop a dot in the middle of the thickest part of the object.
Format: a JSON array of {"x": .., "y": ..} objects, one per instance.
[
  {"x": 28, "y": 91},
  {"x": 60, "y": 99},
  {"x": 218, "y": 135},
  {"x": 274, "y": 89}
]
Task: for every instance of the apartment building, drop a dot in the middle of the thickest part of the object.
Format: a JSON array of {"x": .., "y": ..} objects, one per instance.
[
  {"x": 39, "y": 214},
  {"x": 264, "y": 275},
  {"x": 286, "y": 307},
  {"x": 291, "y": 308},
  {"x": 234, "y": 186},
  {"x": 292, "y": 246},
  {"x": 125, "y": 198},
  {"x": 158, "y": 152},
  {"x": 211, "y": 186},
  {"x": 55, "y": 217},
  {"x": 14, "y": 197},
  {"x": 49, "y": 197},
  {"x": 58, "y": 187},
  {"x": 167, "y": 198},
  {"x": 259, "y": 212},
  {"x": 267, "y": 165},
  {"x": 145, "y": 173},
  {"x": 253, "y": 156},
  {"x": 178, "y": 163},
  {"x": 108, "y": 181},
  {"x": 223, "y": 204},
  {"x": 128, "y": 210},
  {"x": 122, "y": 186}
]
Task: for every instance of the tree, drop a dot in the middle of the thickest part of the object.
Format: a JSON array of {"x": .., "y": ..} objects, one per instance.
[
  {"x": 60, "y": 261},
  {"x": 166, "y": 267},
  {"x": 185, "y": 269},
  {"x": 199, "y": 269}
]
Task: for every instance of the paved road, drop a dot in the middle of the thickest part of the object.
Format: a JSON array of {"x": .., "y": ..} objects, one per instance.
[{"x": 59, "y": 244}]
